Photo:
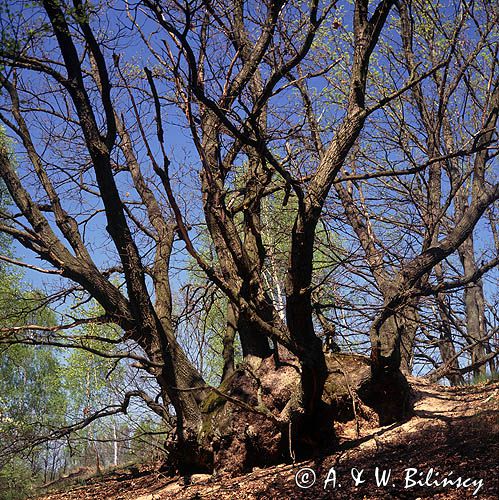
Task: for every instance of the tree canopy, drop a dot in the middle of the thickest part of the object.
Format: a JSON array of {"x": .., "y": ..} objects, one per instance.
[{"x": 297, "y": 178}]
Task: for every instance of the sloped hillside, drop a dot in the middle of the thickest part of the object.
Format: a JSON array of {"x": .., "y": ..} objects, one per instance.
[{"x": 447, "y": 450}]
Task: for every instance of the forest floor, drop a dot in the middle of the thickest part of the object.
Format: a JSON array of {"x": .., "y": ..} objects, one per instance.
[{"x": 453, "y": 435}]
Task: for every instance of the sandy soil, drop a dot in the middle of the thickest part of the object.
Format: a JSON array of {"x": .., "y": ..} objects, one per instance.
[{"x": 453, "y": 435}]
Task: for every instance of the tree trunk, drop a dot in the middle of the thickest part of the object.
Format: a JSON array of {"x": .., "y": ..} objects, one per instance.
[
  {"x": 254, "y": 343},
  {"x": 475, "y": 308},
  {"x": 299, "y": 317},
  {"x": 388, "y": 390},
  {"x": 407, "y": 327},
  {"x": 446, "y": 345}
]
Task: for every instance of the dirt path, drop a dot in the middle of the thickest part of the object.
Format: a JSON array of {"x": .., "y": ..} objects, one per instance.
[{"x": 448, "y": 450}]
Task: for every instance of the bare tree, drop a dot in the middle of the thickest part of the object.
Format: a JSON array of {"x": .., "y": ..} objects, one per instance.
[{"x": 97, "y": 176}]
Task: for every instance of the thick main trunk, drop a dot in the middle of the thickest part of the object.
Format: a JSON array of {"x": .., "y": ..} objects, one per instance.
[
  {"x": 388, "y": 390},
  {"x": 407, "y": 325},
  {"x": 299, "y": 314},
  {"x": 311, "y": 420},
  {"x": 272, "y": 432}
]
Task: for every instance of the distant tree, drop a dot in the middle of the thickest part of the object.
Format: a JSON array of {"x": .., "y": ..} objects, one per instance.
[{"x": 31, "y": 397}]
